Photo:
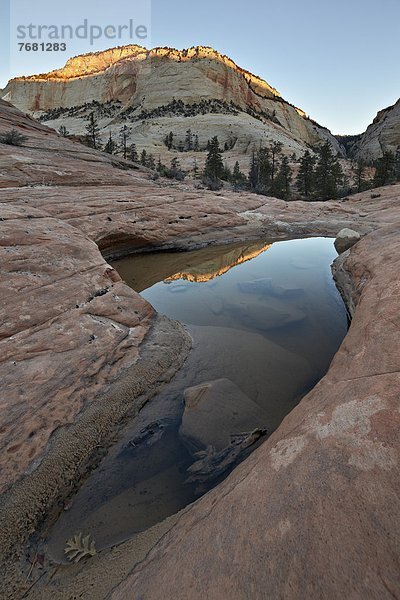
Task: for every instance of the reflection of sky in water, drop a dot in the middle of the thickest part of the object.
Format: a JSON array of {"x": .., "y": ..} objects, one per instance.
[
  {"x": 286, "y": 307},
  {"x": 270, "y": 324},
  {"x": 286, "y": 284}
]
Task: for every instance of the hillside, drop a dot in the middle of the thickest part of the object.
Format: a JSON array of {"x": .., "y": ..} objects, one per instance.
[
  {"x": 383, "y": 134},
  {"x": 161, "y": 90}
]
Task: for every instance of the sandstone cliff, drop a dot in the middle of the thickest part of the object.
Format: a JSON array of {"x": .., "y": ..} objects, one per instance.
[
  {"x": 133, "y": 86},
  {"x": 383, "y": 134}
]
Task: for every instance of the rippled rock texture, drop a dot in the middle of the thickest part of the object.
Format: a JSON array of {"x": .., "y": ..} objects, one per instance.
[{"x": 314, "y": 512}]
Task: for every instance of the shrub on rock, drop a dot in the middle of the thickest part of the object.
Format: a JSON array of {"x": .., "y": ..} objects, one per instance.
[{"x": 13, "y": 138}]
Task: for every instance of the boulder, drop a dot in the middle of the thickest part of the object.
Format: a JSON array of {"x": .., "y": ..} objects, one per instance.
[
  {"x": 346, "y": 238},
  {"x": 215, "y": 412}
]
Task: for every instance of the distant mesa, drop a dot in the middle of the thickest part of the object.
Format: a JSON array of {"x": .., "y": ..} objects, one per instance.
[{"x": 156, "y": 91}]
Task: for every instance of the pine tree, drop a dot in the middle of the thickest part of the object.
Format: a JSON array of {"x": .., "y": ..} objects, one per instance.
[
  {"x": 385, "y": 169},
  {"x": 397, "y": 165},
  {"x": 150, "y": 162},
  {"x": 359, "y": 175},
  {"x": 111, "y": 146},
  {"x": 260, "y": 173},
  {"x": 253, "y": 171},
  {"x": 305, "y": 177},
  {"x": 93, "y": 132},
  {"x": 236, "y": 171},
  {"x": 175, "y": 171},
  {"x": 169, "y": 140},
  {"x": 238, "y": 178},
  {"x": 132, "y": 153},
  {"x": 214, "y": 166},
  {"x": 338, "y": 177},
  {"x": 264, "y": 171},
  {"x": 281, "y": 185},
  {"x": 328, "y": 174},
  {"x": 226, "y": 173},
  {"x": 123, "y": 134},
  {"x": 276, "y": 149},
  {"x": 189, "y": 140},
  {"x": 196, "y": 147},
  {"x": 143, "y": 158}
]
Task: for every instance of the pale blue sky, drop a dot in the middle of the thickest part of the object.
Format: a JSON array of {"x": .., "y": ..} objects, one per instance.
[{"x": 336, "y": 59}]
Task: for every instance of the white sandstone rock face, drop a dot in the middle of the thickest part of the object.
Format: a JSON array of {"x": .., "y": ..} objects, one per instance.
[
  {"x": 245, "y": 111},
  {"x": 345, "y": 239},
  {"x": 382, "y": 135}
]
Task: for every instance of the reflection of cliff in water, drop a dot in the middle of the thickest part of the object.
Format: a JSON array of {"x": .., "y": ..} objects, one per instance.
[
  {"x": 142, "y": 271},
  {"x": 212, "y": 268}
]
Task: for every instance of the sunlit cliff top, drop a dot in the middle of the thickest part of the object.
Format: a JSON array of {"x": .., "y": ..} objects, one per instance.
[{"x": 97, "y": 62}]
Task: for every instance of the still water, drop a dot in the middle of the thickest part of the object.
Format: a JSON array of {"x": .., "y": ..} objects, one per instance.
[{"x": 266, "y": 321}]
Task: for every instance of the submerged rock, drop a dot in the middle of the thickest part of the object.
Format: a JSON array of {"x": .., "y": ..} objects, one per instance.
[
  {"x": 216, "y": 412},
  {"x": 150, "y": 434},
  {"x": 266, "y": 286},
  {"x": 261, "y": 316},
  {"x": 210, "y": 465},
  {"x": 346, "y": 238},
  {"x": 258, "y": 286}
]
